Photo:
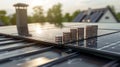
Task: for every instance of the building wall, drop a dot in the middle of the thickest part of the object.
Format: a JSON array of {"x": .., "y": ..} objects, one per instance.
[{"x": 108, "y": 18}]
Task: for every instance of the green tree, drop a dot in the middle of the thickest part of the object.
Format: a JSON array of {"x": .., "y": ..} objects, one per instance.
[
  {"x": 75, "y": 14},
  {"x": 112, "y": 8},
  {"x": 5, "y": 19},
  {"x": 2, "y": 12},
  {"x": 50, "y": 17},
  {"x": 13, "y": 19},
  {"x": 30, "y": 19},
  {"x": 38, "y": 15},
  {"x": 67, "y": 18},
  {"x": 54, "y": 14},
  {"x": 118, "y": 15}
]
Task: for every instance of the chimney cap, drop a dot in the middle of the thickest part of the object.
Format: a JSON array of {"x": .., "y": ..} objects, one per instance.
[{"x": 20, "y": 5}]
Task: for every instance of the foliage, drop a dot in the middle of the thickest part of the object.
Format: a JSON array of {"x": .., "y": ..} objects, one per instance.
[
  {"x": 75, "y": 14},
  {"x": 50, "y": 17},
  {"x": 54, "y": 14},
  {"x": 30, "y": 19},
  {"x": 13, "y": 19},
  {"x": 67, "y": 18},
  {"x": 118, "y": 15},
  {"x": 112, "y": 8},
  {"x": 4, "y": 18},
  {"x": 2, "y": 12},
  {"x": 38, "y": 15}
]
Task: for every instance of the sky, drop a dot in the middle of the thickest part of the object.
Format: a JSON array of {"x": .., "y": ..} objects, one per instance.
[{"x": 67, "y": 5}]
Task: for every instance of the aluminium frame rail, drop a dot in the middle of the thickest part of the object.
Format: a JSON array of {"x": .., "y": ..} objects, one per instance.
[{"x": 8, "y": 59}]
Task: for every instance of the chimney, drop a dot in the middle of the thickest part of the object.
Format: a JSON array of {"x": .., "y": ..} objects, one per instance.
[
  {"x": 89, "y": 11},
  {"x": 21, "y": 19}
]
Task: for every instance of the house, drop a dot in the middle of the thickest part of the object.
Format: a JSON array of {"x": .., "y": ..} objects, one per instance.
[{"x": 102, "y": 15}]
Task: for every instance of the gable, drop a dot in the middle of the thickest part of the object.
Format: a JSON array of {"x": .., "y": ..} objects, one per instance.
[{"x": 108, "y": 17}]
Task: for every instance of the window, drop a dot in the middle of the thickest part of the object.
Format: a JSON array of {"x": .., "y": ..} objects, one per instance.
[{"x": 106, "y": 17}]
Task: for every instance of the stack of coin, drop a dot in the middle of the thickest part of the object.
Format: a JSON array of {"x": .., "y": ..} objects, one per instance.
[
  {"x": 73, "y": 34},
  {"x": 66, "y": 37},
  {"x": 58, "y": 39}
]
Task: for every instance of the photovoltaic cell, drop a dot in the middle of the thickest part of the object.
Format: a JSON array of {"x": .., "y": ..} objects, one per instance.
[
  {"x": 98, "y": 15},
  {"x": 79, "y": 17},
  {"x": 93, "y": 16}
]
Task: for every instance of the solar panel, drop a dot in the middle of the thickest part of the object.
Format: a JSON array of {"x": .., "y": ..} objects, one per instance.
[
  {"x": 93, "y": 16},
  {"x": 98, "y": 15},
  {"x": 79, "y": 18},
  {"x": 90, "y": 52}
]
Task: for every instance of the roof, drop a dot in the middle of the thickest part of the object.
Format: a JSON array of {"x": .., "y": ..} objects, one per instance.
[
  {"x": 93, "y": 15},
  {"x": 101, "y": 51}
]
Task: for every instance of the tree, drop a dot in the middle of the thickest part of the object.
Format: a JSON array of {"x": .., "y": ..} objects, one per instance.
[
  {"x": 13, "y": 19},
  {"x": 50, "y": 17},
  {"x": 112, "y": 8},
  {"x": 75, "y": 14},
  {"x": 30, "y": 19},
  {"x": 38, "y": 15},
  {"x": 5, "y": 19},
  {"x": 118, "y": 15},
  {"x": 67, "y": 17},
  {"x": 54, "y": 14},
  {"x": 2, "y": 12}
]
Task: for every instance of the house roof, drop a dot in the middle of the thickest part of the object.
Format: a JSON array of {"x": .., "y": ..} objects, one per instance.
[{"x": 93, "y": 15}]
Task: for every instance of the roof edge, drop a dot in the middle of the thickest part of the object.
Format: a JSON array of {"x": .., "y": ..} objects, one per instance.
[{"x": 113, "y": 13}]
